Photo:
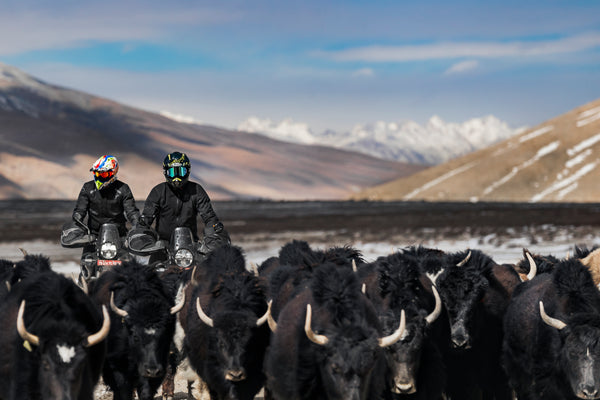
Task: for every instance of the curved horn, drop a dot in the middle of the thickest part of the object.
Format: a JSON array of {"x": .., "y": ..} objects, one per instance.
[
  {"x": 465, "y": 260},
  {"x": 532, "y": 266},
  {"x": 354, "y": 268},
  {"x": 83, "y": 286},
  {"x": 265, "y": 316},
  {"x": 8, "y": 285},
  {"x": 177, "y": 307},
  {"x": 321, "y": 340},
  {"x": 25, "y": 254},
  {"x": 394, "y": 337},
  {"x": 438, "y": 306},
  {"x": 254, "y": 268},
  {"x": 103, "y": 332},
  {"x": 553, "y": 322},
  {"x": 193, "y": 280},
  {"x": 363, "y": 288},
  {"x": 120, "y": 312},
  {"x": 205, "y": 318},
  {"x": 30, "y": 337},
  {"x": 270, "y": 319}
]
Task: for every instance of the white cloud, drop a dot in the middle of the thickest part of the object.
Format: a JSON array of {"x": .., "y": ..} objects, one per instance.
[
  {"x": 461, "y": 67},
  {"x": 448, "y": 50},
  {"x": 364, "y": 72}
]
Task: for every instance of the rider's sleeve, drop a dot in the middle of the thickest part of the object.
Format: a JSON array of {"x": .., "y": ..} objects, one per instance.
[
  {"x": 82, "y": 205},
  {"x": 151, "y": 208},
  {"x": 131, "y": 211},
  {"x": 205, "y": 209}
]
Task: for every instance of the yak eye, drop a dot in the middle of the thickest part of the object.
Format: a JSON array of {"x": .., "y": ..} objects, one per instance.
[
  {"x": 336, "y": 369},
  {"x": 46, "y": 365}
]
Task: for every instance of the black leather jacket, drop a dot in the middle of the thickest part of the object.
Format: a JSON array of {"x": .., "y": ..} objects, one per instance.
[
  {"x": 113, "y": 203},
  {"x": 172, "y": 208}
]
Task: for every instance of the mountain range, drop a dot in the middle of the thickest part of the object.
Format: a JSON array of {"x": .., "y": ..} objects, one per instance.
[
  {"x": 51, "y": 135},
  {"x": 555, "y": 161},
  {"x": 434, "y": 143}
]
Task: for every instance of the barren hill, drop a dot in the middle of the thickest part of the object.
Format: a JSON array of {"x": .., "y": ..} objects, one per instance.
[
  {"x": 556, "y": 161},
  {"x": 50, "y": 136}
]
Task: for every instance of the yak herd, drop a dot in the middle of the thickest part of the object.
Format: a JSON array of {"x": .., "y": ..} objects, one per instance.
[{"x": 419, "y": 323}]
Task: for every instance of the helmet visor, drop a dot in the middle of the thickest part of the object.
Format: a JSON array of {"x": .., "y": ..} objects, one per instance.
[
  {"x": 104, "y": 174},
  {"x": 176, "y": 172}
]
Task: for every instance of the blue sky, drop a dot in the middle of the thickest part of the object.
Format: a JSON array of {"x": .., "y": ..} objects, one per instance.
[{"x": 329, "y": 64}]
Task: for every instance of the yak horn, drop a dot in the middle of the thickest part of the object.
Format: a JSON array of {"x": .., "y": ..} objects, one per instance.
[
  {"x": 205, "y": 318},
  {"x": 25, "y": 254},
  {"x": 83, "y": 285},
  {"x": 354, "y": 267},
  {"x": 394, "y": 337},
  {"x": 270, "y": 319},
  {"x": 120, "y": 312},
  {"x": 532, "y": 266},
  {"x": 30, "y": 337},
  {"x": 553, "y": 322},
  {"x": 177, "y": 307},
  {"x": 438, "y": 306},
  {"x": 193, "y": 280},
  {"x": 265, "y": 316},
  {"x": 465, "y": 260},
  {"x": 8, "y": 285},
  {"x": 103, "y": 332},
  {"x": 254, "y": 268},
  {"x": 321, "y": 340},
  {"x": 363, "y": 288}
]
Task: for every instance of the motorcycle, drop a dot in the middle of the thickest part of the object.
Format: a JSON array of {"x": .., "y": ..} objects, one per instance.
[
  {"x": 109, "y": 248},
  {"x": 181, "y": 251}
]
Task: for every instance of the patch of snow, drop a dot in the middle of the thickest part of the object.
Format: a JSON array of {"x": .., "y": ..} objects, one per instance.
[
  {"x": 442, "y": 178},
  {"x": 565, "y": 182},
  {"x": 589, "y": 142},
  {"x": 541, "y": 153},
  {"x": 184, "y": 119},
  {"x": 536, "y": 133},
  {"x": 588, "y": 116}
]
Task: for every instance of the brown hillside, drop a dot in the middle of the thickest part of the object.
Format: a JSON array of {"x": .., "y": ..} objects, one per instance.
[
  {"x": 50, "y": 136},
  {"x": 556, "y": 161}
]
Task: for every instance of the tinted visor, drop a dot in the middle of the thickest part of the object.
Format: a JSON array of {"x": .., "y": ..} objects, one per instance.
[
  {"x": 176, "y": 172},
  {"x": 104, "y": 174}
]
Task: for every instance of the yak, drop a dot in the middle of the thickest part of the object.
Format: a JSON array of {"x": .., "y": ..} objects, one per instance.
[
  {"x": 52, "y": 340},
  {"x": 336, "y": 355},
  {"x": 475, "y": 292},
  {"x": 552, "y": 325},
  {"x": 415, "y": 364},
  {"x": 225, "y": 331},
  {"x": 142, "y": 327}
]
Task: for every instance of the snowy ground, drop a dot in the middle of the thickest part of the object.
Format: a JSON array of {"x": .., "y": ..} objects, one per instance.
[{"x": 504, "y": 246}]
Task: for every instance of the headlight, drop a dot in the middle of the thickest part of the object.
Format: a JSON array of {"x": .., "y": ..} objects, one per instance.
[
  {"x": 108, "y": 251},
  {"x": 184, "y": 258}
]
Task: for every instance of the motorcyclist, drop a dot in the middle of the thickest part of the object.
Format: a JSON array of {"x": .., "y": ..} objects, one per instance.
[
  {"x": 177, "y": 202},
  {"x": 105, "y": 199}
]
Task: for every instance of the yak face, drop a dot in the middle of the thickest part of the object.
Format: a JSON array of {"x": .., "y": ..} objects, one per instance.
[
  {"x": 462, "y": 290},
  {"x": 61, "y": 369},
  {"x": 580, "y": 360},
  {"x": 404, "y": 357},
  {"x": 232, "y": 339},
  {"x": 150, "y": 328},
  {"x": 346, "y": 363}
]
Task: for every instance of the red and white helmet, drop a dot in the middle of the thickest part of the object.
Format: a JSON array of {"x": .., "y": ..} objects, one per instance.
[{"x": 105, "y": 171}]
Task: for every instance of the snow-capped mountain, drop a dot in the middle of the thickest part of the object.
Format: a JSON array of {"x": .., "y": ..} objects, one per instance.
[{"x": 434, "y": 143}]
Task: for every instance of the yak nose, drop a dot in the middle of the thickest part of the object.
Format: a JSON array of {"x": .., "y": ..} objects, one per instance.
[
  {"x": 407, "y": 388},
  {"x": 153, "y": 371},
  {"x": 459, "y": 341},
  {"x": 235, "y": 375},
  {"x": 589, "y": 392}
]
